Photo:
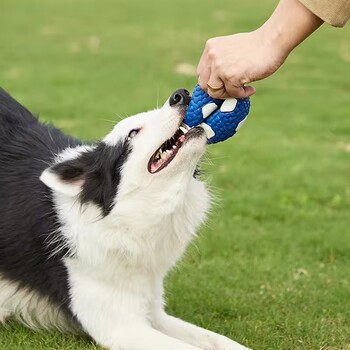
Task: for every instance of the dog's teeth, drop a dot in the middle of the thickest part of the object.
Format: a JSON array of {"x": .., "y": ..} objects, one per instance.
[
  {"x": 169, "y": 148},
  {"x": 183, "y": 129}
]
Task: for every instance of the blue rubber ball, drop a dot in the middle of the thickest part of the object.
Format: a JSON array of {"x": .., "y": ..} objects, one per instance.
[{"x": 220, "y": 118}]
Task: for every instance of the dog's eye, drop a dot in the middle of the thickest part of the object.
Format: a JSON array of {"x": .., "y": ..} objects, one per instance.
[{"x": 132, "y": 134}]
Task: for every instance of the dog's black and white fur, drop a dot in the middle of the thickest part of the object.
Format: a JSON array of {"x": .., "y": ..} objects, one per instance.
[{"x": 89, "y": 231}]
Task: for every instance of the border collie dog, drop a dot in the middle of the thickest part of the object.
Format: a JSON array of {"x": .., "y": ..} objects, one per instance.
[{"x": 88, "y": 231}]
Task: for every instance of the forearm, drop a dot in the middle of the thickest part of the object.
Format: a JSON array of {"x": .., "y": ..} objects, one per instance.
[{"x": 289, "y": 25}]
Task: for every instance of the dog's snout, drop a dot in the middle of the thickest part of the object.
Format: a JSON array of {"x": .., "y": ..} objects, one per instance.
[{"x": 180, "y": 97}]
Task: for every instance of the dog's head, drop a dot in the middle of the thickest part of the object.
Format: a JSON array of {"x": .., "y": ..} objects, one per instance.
[{"x": 145, "y": 164}]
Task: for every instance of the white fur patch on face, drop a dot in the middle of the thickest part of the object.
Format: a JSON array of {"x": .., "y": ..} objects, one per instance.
[
  {"x": 123, "y": 128},
  {"x": 155, "y": 127}
]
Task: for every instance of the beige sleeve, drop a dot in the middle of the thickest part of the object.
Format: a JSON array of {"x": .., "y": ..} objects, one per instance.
[{"x": 333, "y": 12}]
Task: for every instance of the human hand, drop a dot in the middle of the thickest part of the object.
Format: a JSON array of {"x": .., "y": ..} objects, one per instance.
[{"x": 230, "y": 62}]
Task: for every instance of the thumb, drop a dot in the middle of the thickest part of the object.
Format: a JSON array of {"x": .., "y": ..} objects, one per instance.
[{"x": 249, "y": 90}]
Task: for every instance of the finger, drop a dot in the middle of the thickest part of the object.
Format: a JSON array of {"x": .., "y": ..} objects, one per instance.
[
  {"x": 239, "y": 91},
  {"x": 215, "y": 87},
  {"x": 249, "y": 90},
  {"x": 218, "y": 94}
]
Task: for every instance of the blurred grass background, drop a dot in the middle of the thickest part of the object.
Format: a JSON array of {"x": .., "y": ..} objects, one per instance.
[{"x": 272, "y": 267}]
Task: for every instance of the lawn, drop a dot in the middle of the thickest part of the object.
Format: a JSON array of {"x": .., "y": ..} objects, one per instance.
[{"x": 271, "y": 268}]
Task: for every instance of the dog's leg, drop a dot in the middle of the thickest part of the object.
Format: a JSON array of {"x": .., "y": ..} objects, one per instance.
[
  {"x": 137, "y": 337},
  {"x": 116, "y": 315},
  {"x": 192, "y": 334},
  {"x": 108, "y": 332}
]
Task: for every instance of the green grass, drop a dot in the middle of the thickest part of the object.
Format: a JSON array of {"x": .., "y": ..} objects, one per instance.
[{"x": 272, "y": 267}]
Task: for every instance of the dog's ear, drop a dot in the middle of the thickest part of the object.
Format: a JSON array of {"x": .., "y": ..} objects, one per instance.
[
  {"x": 67, "y": 177},
  {"x": 93, "y": 175}
]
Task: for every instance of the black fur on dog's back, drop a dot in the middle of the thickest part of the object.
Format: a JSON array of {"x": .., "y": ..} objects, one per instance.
[{"x": 27, "y": 216}]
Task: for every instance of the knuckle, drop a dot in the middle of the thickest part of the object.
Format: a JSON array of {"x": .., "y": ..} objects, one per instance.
[
  {"x": 212, "y": 54},
  {"x": 213, "y": 94},
  {"x": 210, "y": 42},
  {"x": 217, "y": 64},
  {"x": 226, "y": 77},
  {"x": 241, "y": 93},
  {"x": 218, "y": 94},
  {"x": 211, "y": 48},
  {"x": 231, "y": 76},
  {"x": 235, "y": 91}
]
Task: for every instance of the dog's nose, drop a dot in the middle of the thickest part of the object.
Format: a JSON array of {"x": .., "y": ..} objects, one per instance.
[{"x": 180, "y": 97}]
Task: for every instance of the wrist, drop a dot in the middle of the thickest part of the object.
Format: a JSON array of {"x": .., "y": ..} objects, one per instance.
[
  {"x": 275, "y": 40},
  {"x": 288, "y": 26}
]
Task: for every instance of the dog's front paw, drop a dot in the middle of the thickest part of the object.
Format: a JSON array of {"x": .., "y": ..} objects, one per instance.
[{"x": 219, "y": 342}]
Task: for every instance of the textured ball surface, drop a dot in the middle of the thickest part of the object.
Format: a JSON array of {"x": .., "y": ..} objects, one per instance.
[
  {"x": 223, "y": 117},
  {"x": 199, "y": 99},
  {"x": 226, "y": 123}
]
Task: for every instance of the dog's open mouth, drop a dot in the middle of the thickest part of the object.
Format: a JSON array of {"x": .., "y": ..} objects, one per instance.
[{"x": 168, "y": 150}]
